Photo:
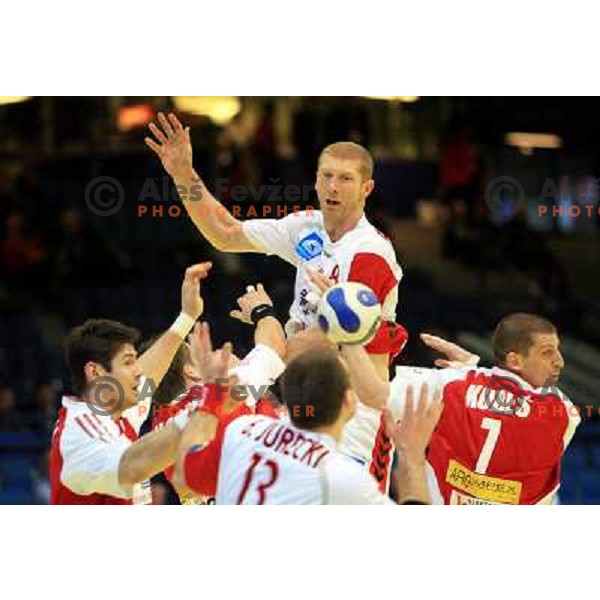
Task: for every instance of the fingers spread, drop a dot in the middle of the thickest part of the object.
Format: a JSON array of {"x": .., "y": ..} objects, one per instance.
[
  {"x": 153, "y": 145},
  {"x": 165, "y": 124},
  {"x": 176, "y": 123},
  {"x": 158, "y": 134}
]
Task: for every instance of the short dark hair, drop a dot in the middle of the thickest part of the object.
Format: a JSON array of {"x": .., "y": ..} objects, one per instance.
[
  {"x": 97, "y": 340},
  {"x": 173, "y": 383},
  {"x": 514, "y": 333},
  {"x": 313, "y": 387}
]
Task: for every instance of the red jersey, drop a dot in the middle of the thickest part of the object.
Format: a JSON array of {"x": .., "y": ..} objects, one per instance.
[{"x": 499, "y": 440}]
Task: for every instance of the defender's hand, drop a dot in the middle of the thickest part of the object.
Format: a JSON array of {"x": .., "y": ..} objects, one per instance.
[{"x": 172, "y": 144}]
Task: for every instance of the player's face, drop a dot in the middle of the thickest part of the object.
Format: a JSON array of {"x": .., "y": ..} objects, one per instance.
[
  {"x": 543, "y": 363},
  {"x": 341, "y": 190},
  {"x": 126, "y": 369}
]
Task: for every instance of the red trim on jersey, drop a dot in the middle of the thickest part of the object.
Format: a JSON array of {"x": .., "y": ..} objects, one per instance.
[
  {"x": 102, "y": 425},
  {"x": 59, "y": 493},
  {"x": 127, "y": 429},
  {"x": 373, "y": 271},
  {"x": 95, "y": 427},
  {"x": 381, "y": 458},
  {"x": 80, "y": 423},
  {"x": 56, "y": 460},
  {"x": 389, "y": 339}
]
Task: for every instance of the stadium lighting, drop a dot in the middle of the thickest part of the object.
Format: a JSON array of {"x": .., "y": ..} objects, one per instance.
[
  {"x": 527, "y": 141},
  {"x": 406, "y": 99},
  {"x": 221, "y": 109},
  {"x": 13, "y": 99}
]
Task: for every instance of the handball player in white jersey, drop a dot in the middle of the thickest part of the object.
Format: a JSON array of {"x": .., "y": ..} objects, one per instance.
[
  {"x": 260, "y": 460},
  {"x": 337, "y": 241}
]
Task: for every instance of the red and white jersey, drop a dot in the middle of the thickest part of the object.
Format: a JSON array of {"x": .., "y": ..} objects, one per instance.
[
  {"x": 499, "y": 440},
  {"x": 363, "y": 255},
  {"x": 260, "y": 460},
  {"x": 85, "y": 455}
]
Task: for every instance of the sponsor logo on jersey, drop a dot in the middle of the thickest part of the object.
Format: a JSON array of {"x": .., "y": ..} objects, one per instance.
[
  {"x": 310, "y": 246},
  {"x": 458, "y": 499},
  {"x": 483, "y": 487}
]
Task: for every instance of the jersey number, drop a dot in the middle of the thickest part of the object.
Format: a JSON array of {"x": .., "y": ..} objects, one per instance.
[
  {"x": 493, "y": 426},
  {"x": 261, "y": 488},
  {"x": 335, "y": 274}
]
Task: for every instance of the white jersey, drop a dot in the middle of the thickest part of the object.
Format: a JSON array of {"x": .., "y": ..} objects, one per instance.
[
  {"x": 256, "y": 459},
  {"x": 269, "y": 461},
  {"x": 85, "y": 456},
  {"x": 363, "y": 255}
]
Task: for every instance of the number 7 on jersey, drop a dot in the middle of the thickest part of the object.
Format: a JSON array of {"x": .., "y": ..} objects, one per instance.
[{"x": 493, "y": 426}]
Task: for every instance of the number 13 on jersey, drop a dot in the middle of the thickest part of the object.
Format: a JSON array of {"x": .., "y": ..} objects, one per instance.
[{"x": 254, "y": 483}]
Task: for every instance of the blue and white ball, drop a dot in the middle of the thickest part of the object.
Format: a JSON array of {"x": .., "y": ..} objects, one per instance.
[{"x": 349, "y": 313}]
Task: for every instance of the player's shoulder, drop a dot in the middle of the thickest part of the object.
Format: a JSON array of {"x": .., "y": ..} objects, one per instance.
[
  {"x": 374, "y": 239},
  {"x": 82, "y": 425},
  {"x": 301, "y": 220},
  {"x": 369, "y": 246},
  {"x": 409, "y": 374},
  {"x": 245, "y": 424}
]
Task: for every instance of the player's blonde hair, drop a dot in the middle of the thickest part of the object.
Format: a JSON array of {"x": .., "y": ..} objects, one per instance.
[{"x": 351, "y": 151}]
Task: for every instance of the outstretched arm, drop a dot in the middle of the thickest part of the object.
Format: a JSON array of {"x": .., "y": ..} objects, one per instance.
[
  {"x": 156, "y": 361},
  {"x": 173, "y": 146},
  {"x": 269, "y": 331}
]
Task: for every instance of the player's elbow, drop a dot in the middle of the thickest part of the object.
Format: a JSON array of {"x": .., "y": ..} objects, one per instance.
[
  {"x": 178, "y": 480},
  {"x": 131, "y": 471}
]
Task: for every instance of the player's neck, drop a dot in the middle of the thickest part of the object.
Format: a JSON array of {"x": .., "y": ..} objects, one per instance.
[
  {"x": 338, "y": 230},
  {"x": 334, "y": 431}
]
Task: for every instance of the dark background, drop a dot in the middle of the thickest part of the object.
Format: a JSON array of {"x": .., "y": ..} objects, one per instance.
[{"x": 471, "y": 252}]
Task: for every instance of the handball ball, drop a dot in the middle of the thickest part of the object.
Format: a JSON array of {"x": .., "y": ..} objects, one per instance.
[{"x": 349, "y": 313}]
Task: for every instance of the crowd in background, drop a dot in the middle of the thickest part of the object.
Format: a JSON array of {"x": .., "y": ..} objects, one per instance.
[{"x": 59, "y": 263}]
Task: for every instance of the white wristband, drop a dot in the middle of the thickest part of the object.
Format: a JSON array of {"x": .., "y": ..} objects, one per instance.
[{"x": 183, "y": 325}]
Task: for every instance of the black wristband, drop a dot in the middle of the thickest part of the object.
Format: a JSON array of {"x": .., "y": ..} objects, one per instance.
[{"x": 260, "y": 312}]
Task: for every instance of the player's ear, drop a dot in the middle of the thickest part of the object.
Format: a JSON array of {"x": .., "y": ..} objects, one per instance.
[
  {"x": 514, "y": 362},
  {"x": 349, "y": 402},
  {"x": 368, "y": 187},
  {"x": 93, "y": 370}
]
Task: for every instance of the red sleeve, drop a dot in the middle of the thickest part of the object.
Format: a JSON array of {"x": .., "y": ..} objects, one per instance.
[
  {"x": 389, "y": 339},
  {"x": 201, "y": 466},
  {"x": 374, "y": 271}
]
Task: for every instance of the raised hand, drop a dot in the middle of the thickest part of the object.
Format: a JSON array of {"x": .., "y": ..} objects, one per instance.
[
  {"x": 411, "y": 435},
  {"x": 172, "y": 144},
  {"x": 212, "y": 365},
  {"x": 191, "y": 298},
  {"x": 455, "y": 355},
  {"x": 249, "y": 301}
]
